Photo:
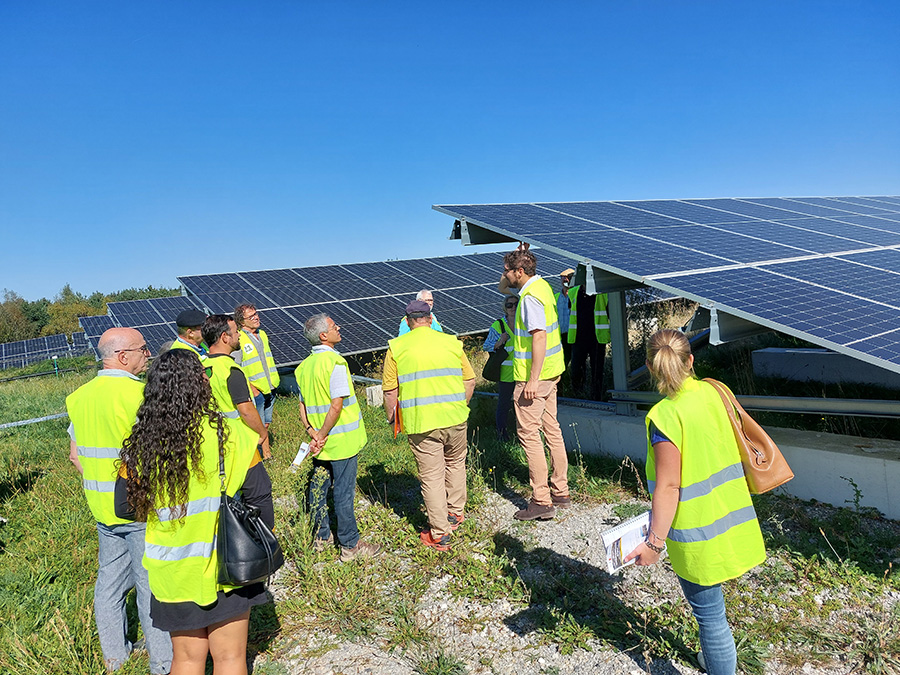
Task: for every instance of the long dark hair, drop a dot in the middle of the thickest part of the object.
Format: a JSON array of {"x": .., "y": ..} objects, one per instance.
[{"x": 165, "y": 444}]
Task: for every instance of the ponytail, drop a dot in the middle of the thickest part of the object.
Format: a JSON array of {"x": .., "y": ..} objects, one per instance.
[{"x": 669, "y": 360}]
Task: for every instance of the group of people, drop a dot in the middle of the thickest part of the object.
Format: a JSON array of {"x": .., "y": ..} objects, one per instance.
[{"x": 154, "y": 457}]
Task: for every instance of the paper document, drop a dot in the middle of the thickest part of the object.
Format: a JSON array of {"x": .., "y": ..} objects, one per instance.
[
  {"x": 622, "y": 539},
  {"x": 301, "y": 455}
]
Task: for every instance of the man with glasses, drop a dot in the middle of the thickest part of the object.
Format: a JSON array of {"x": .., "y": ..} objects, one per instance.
[
  {"x": 427, "y": 297},
  {"x": 102, "y": 413},
  {"x": 255, "y": 357},
  {"x": 537, "y": 366}
]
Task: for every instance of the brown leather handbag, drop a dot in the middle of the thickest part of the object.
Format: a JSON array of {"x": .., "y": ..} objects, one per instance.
[{"x": 765, "y": 468}]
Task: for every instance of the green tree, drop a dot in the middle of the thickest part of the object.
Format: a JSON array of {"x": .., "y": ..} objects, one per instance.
[{"x": 14, "y": 325}]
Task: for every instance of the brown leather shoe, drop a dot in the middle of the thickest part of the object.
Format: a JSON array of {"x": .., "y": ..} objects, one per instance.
[
  {"x": 536, "y": 512},
  {"x": 363, "y": 549},
  {"x": 561, "y": 502}
]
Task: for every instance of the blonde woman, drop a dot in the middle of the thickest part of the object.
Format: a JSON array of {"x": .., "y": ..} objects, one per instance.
[{"x": 701, "y": 512}]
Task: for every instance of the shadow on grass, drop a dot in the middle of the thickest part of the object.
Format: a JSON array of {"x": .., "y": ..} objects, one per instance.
[
  {"x": 264, "y": 628},
  {"x": 399, "y": 492},
  {"x": 18, "y": 483},
  {"x": 572, "y": 602}
]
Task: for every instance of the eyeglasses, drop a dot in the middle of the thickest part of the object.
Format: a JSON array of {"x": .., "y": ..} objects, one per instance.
[
  {"x": 142, "y": 348},
  {"x": 255, "y": 315},
  {"x": 510, "y": 306}
]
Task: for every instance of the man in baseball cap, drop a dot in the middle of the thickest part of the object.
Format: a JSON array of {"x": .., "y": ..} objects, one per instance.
[{"x": 189, "y": 324}]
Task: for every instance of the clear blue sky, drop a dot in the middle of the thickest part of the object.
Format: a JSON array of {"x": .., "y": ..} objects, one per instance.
[{"x": 143, "y": 140}]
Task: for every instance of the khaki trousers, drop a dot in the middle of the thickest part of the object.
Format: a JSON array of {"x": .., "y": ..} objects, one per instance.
[
  {"x": 441, "y": 457},
  {"x": 534, "y": 416}
]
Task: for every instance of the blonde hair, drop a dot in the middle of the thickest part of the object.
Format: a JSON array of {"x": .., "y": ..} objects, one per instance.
[{"x": 669, "y": 360}]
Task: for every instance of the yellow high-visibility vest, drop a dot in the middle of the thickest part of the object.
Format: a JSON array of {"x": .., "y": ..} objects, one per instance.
[
  {"x": 506, "y": 368},
  {"x": 102, "y": 413},
  {"x": 554, "y": 365},
  {"x": 429, "y": 374},
  {"x": 200, "y": 351},
  {"x": 252, "y": 362},
  {"x": 601, "y": 316},
  {"x": 218, "y": 368},
  {"x": 180, "y": 556},
  {"x": 715, "y": 535},
  {"x": 348, "y": 435}
]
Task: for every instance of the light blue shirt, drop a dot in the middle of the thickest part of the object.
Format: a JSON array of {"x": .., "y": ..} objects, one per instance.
[{"x": 404, "y": 327}]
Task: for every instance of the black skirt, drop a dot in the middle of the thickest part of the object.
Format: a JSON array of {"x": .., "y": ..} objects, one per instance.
[{"x": 181, "y": 616}]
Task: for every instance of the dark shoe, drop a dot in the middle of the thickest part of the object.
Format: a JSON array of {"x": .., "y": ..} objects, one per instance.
[
  {"x": 455, "y": 520},
  {"x": 320, "y": 545},
  {"x": 561, "y": 502},
  {"x": 363, "y": 549},
  {"x": 440, "y": 544},
  {"x": 536, "y": 512}
]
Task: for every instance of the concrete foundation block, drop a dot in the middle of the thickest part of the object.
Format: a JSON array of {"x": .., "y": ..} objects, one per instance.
[{"x": 375, "y": 396}]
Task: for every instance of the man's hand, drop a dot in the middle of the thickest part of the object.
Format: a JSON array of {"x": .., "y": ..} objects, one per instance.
[
  {"x": 523, "y": 246},
  {"x": 317, "y": 442},
  {"x": 531, "y": 390}
]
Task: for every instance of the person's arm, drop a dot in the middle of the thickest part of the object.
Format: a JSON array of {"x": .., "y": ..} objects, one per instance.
[
  {"x": 468, "y": 376},
  {"x": 390, "y": 403},
  {"x": 665, "y": 502},
  {"x": 503, "y": 286},
  {"x": 320, "y": 436},
  {"x": 250, "y": 415},
  {"x": 73, "y": 456},
  {"x": 390, "y": 386},
  {"x": 538, "y": 352},
  {"x": 257, "y": 491}
]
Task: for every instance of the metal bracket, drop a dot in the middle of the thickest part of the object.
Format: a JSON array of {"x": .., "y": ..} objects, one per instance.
[
  {"x": 471, "y": 234},
  {"x": 727, "y": 327}
]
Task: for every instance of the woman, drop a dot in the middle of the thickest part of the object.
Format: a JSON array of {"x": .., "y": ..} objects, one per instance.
[
  {"x": 701, "y": 509},
  {"x": 172, "y": 463},
  {"x": 496, "y": 339}
]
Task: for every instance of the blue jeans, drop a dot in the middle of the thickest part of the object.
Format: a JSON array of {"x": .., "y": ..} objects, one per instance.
[
  {"x": 716, "y": 640},
  {"x": 121, "y": 550},
  {"x": 341, "y": 473},
  {"x": 264, "y": 404}
]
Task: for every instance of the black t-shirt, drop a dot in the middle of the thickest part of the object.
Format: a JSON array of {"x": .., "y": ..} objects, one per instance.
[{"x": 585, "y": 333}]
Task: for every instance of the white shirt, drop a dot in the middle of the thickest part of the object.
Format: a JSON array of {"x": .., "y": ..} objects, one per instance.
[{"x": 533, "y": 315}]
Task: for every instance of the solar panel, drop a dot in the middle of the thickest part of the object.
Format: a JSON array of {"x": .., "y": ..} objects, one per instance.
[{"x": 825, "y": 269}]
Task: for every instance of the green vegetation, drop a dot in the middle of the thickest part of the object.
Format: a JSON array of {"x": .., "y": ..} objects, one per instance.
[
  {"x": 22, "y": 319},
  {"x": 828, "y": 591}
]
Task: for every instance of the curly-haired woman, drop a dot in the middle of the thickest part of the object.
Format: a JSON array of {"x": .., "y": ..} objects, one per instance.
[
  {"x": 701, "y": 505},
  {"x": 172, "y": 463}
]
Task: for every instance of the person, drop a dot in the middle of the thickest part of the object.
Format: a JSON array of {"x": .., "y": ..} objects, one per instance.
[
  {"x": 229, "y": 382},
  {"x": 190, "y": 332},
  {"x": 428, "y": 297},
  {"x": 563, "y": 309},
  {"x": 331, "y": 416},
  {"x": 588, "y": 336},
  {"x": 428, "y": 377},
  {"x": 701, "y": 507},
  {"x": 256, "y": 359},
  {"x": 102, "y": 413},
  {"x": 497, "y": 338},
  {"x": 537, "y": 366},
  {"x": 171, "y": 466}
]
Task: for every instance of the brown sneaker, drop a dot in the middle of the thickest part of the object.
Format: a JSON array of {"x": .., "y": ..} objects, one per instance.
[
  {"x": 442, "y": 543},
  {"x": 363, "y": 548},
  {"x": 455, "y": 520},
  {"x": 536, "y": 512},
  {"x": 320, "y": 545},
  {"x": 561, "y": 502}
]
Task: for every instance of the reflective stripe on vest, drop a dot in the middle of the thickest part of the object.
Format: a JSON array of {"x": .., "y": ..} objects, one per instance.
[
  {"x": 522, "y": 339},
  {"x": 714, "y": 535},
  {"x": 601, "y": 316},
  {"x": 348, "y": 435},
  {"x": 180, "y": 555},
  {"x": 429, "y": 375},
  {"x": 251, "y": 362},
  {"x": 102, "y": 412}
]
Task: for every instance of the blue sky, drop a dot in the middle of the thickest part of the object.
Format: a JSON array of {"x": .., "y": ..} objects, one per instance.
[{"x": 140, "y": 141}]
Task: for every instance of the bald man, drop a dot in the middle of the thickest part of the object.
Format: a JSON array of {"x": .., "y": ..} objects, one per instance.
[{"x": 102, "y": 413}]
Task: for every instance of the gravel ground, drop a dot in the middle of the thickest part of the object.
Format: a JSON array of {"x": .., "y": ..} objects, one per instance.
[{"x": 497, "y": 637}]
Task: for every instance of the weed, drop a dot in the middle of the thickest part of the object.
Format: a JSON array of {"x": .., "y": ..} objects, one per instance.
[{"x": 441, "y": 663}]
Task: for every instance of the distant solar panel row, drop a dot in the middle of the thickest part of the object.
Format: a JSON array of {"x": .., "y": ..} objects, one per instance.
[
  {"x": 825, "y": 269},
  {"x": 25, "y": 352}
]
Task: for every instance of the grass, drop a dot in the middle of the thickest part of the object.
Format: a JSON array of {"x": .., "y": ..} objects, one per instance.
[{"x": 828, "y": 591}]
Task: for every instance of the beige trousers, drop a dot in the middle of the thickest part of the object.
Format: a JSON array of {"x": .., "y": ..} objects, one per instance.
[
  {"x": 534, "y": 416},
  {"x": 441, "y": 457}
]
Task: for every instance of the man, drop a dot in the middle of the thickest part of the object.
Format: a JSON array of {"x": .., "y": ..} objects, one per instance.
[
  {"x": 229, "y": 383},
  {"x": 430, "y": 376},
  {"x": 563, "y": 310},
  {"x": 331, "y": 416},
  {"x": 588, "y": 336},
  {"x": 427, "y": 297},
  {"x": 190, "y": 332},
  {"x": 255, "y": 357},
  {"x": 102, "y": 413},
  {"x": 537, "y": 365}
]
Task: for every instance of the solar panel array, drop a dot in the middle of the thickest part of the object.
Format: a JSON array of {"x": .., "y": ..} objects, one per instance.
[
  {"x": 366, "y": 299},
  {"x": 825, "y": 269},
  {"x": 155, "y": 318},
  {"x": 25, "y": 352}
]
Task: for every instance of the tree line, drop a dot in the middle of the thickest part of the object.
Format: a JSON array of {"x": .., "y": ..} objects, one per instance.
[{"x": 22, "y": 319}]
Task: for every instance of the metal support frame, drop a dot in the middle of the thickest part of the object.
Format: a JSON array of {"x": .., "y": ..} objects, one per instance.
[
  {"x": 728, "y": 327},
  {"x": 471, "y": 234},
  {"x": 618, "y": 333}
]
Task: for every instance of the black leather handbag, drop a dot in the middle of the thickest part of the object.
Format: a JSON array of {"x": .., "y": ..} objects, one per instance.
[
  {"x": 247, "y": 550},
  {"x": 491, "y": 371}
]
